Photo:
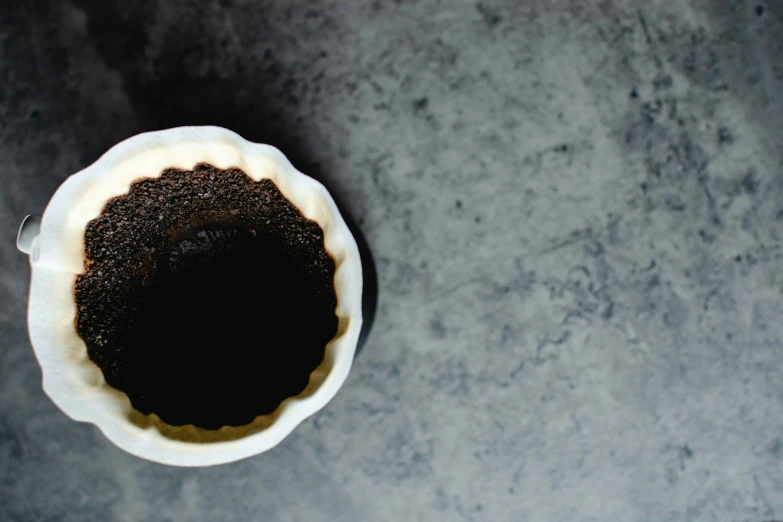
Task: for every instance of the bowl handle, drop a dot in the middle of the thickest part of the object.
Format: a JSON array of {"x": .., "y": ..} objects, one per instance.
[{"x": 31, "y": 227}]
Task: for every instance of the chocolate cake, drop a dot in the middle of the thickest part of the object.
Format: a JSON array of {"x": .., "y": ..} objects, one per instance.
[{"x": 207, "y": 297}]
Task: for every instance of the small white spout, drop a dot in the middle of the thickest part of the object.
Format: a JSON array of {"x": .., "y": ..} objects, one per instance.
[{"x": 31, "y": 227}]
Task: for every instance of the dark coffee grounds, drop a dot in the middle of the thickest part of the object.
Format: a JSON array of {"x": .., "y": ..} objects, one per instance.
[{"x": 207, "y": 297}]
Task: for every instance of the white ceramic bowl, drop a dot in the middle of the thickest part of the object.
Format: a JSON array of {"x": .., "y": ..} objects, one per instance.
[{"x": 56, "y": 247}]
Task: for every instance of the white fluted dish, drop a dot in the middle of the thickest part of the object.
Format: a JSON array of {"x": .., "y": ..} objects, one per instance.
[{"x": 76, "y": 384}]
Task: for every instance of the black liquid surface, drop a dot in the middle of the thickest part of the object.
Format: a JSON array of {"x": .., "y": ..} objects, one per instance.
[{"x": 217, "y": 323}]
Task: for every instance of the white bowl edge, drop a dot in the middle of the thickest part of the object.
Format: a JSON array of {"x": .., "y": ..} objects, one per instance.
[{"x": 76, "y": 385}]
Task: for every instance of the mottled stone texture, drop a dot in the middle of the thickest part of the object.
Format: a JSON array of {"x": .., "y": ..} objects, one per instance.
[{"x": 576, "y": 213}]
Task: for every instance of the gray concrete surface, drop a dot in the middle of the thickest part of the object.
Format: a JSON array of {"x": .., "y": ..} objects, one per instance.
[{"x": 576, "y": 211}]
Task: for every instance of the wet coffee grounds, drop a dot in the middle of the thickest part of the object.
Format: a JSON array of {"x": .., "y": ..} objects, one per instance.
[{"x": 207, "y": 297}]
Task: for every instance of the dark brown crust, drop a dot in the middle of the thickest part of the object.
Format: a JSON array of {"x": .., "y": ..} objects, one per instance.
[{"x": 138, "y": 255}]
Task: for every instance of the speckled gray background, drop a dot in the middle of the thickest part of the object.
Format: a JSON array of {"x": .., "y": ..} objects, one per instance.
[{"x": 576, "y": 212}]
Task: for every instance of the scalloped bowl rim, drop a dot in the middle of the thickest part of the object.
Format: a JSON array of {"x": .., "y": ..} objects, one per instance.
[{"x": 70, "y": 378}]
